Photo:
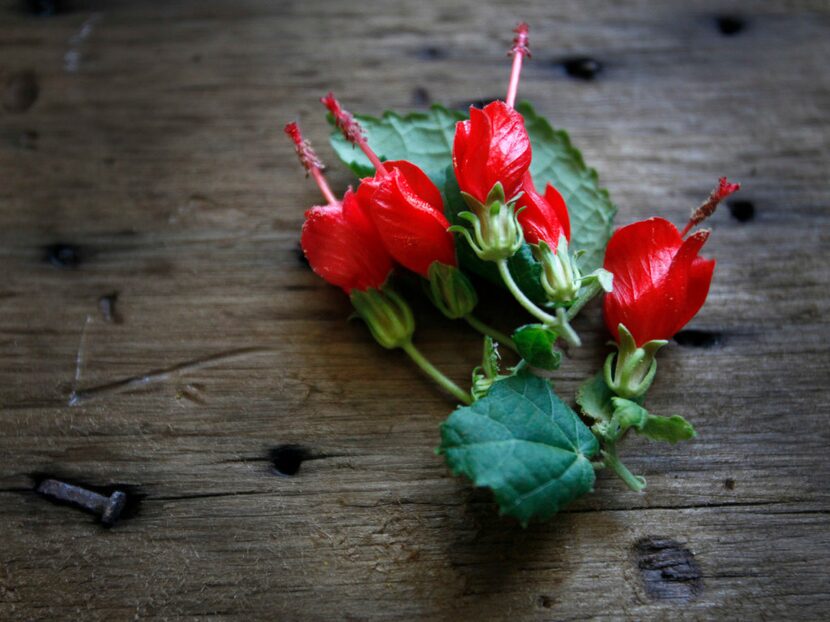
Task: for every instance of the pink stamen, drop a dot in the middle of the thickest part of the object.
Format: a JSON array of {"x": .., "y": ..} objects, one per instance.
[
  {"x": 519, "y": 50},
  {"x": 351, "y": 129},
  {"x": 708, "y": 207},
  {"x": 310, "y": 161}
]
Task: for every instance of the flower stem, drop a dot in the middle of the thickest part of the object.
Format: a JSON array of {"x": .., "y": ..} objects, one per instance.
[
  {"x": 634, "y": 482},
  {"x": 432, "y": 371},
  {"x": 317, "y": 174},
  {"x": 520, "y": 297},
  {"x": 486, "y": 329}
]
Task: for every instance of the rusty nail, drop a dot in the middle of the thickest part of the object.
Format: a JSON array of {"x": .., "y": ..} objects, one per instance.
[{"x": 108, "y": 508}]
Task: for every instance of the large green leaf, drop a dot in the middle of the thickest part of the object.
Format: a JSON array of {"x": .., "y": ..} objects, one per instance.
[
  {"x": 423, "y": 138},
  {"x": 523, "y": 443},
  {"x": 426, "y": 139}
]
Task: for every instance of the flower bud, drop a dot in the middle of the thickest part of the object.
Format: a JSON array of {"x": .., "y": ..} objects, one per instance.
[
  {"x": 635, "y": 367},
  {"x": 496, "y": 229},
  {"x": 387, "y": 315},
  {"x": 560, "y": 274},
  {"x": 451, "y": 291}
]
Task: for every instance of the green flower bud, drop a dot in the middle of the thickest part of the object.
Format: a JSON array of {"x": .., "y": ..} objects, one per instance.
[
  {"x": 451, "y": 291},
  {"x": 560, "y": 274},
  {"x": 496, "y": 233},
  {"x": 635, "y": 367},
  {"x": 387, "y": 315}
]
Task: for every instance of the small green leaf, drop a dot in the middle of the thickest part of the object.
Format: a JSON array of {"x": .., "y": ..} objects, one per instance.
[
  {"x": 423, "y": 138},
  {"x": 525, "y": 444},
  {"x": 594, "y": 397},
  {"x": 628, "y": 414},
  {"x": 535, "y": 345}
]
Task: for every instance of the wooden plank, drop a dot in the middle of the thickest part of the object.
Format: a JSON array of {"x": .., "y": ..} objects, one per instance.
[{"x": 140, "y": 154}]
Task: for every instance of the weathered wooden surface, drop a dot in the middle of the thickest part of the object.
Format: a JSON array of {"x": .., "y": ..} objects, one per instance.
[{"x": 147, "y": 135}]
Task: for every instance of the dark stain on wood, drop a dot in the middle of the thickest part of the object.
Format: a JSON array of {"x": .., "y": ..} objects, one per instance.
[
  {"x": 695, "y": 338},
  {"x": 63, "y": 255},
  {"x": 581, "y": 67},
  {"x": 43, "y": 8},
  {"x": 420, "y": 97},
  {"x": 730, "y": 25},
  {"x": 430, "y": 52},
  {"x": 286, "y": 459},
  {"x": 20, "y": 91},
  {"x": 729, "y": 483},
  {"x": 741, "y": 210},
  {"x": 668, "y": 569}
]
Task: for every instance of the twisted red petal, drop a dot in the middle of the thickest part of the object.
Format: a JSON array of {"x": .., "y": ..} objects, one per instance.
[
  {"x": 343, "y": 247},
  {"x": 407, "y": 210},
  {"x": 660, "y": 283}
]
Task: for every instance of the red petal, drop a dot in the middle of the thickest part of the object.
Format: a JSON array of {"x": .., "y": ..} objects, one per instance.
[
  {"x": 493, "y": 146},
  {"x": 539, "y": 220},
  {"x": 344, "y": 252},
  {"x": 556, "y": 201},
  {"x": 413, "y": 230},
  {"x": 509, "y": 151}
]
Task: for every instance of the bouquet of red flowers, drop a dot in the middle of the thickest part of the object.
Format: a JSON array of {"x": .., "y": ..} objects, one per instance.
[{"x": 445, "y": 213}]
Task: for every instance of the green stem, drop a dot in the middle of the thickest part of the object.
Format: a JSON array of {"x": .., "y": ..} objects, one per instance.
[
  {"x": 432, "y": 371},
  {"x": 486, "y": 329},
  {"x": 519, "y": 295},
  {"x": 634, "y": 482},
  {"x": 567, "y": 333},
  {"x": 587, "y": 294}
]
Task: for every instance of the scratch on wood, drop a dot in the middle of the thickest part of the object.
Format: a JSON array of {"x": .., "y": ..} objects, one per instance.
[{"x": 161, "y": 375}]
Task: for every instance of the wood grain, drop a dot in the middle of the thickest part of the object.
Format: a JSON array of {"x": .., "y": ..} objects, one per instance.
[{"x": 140, "y": 154}]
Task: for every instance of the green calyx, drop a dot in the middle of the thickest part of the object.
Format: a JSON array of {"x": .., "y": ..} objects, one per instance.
[
  {"x": 496, "y": 232},
  {"x": 561, "y": 278},
  {"x": 488, "y": 372},
  {"x": 630, "y": 371},
  {"x": 451, "y": 291},
  {"x": 387, "y": 315}
]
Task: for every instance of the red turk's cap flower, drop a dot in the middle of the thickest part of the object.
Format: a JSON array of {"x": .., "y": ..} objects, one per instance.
[
  {"x": 343, "y": 247},
  {"x": 493, "y": 146},
  {"x": 660, "y": 283},
  {"x": 543, "y": 218},
  {"x": 407, "y": 209}
]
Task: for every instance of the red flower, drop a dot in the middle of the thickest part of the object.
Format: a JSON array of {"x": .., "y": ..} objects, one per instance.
[
  {"x": 493, "y": 146},
  {"x": 543, "y": 218},
  {"x": 407, "y": 209},
  {"x": 344, "y": 247},
  {"x": 660, "y": 283}
]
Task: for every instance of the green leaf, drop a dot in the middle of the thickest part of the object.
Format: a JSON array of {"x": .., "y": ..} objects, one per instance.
[
  {"x": 594, "y": 397},
  {"x": 423, "y": 138},
  {"x": 535, "y": 345},
  {"x": 628, "y": 414},
  {"x": 557, "y": 161},
  {"x": 525, "y": 444}
]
